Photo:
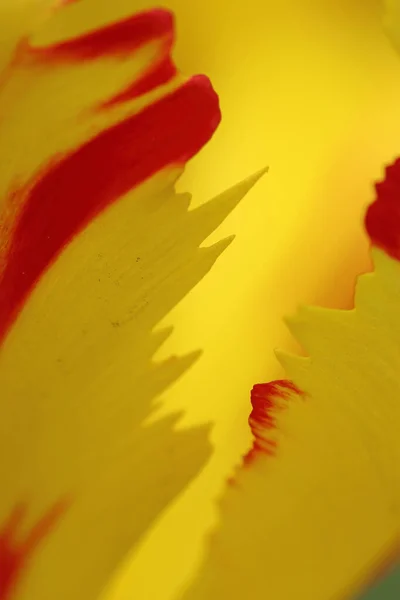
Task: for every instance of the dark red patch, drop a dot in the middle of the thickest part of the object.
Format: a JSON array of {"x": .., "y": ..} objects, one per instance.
[
  {"x": 267, "y": 400},
  {"x": 67, "y": 195},
  {"x": 17, "y": 550},
  {"x": 117, "y": 39},
  {"x": 382, "y": 220}
]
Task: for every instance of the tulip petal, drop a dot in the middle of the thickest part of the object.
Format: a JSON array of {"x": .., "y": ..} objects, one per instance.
[
  {"x": 392, "y": 21},
  {"x": 314, "y": 511},
  {"x": 96, "y": 248}
]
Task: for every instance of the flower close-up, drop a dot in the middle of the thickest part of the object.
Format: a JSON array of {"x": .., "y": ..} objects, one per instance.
[{"x": 153, "y": 441}]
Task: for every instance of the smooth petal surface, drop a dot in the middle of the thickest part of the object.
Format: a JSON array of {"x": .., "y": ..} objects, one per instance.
[
  {"x": 392, "y": 21},
  {"x": 310, "y": 88},
  {"x": 96, "y": 248},
  {"x": 314, "y": 512}
]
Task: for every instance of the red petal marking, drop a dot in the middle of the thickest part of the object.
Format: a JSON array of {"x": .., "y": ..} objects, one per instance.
[
  {"x": 68, "y": 194},
  {"x": 382, "y": 220},
  {"x": 117, "y": 39},
  {"x": 15, "y": 553},
  {"x": 267, "y": 400},
  {"x": 160, "y": 74}
]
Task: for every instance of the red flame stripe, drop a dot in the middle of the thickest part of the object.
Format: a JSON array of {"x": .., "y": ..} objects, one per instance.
[
  {"x": 267, "y": 399},
  {"x": 71, "y": 192},
  {"x": 119, "y": 38}
]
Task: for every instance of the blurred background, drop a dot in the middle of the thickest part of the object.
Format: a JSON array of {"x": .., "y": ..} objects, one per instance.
[{"x": 310, "y": 88}]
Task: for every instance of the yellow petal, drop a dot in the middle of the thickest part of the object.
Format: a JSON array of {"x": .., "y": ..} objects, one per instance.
[
  {"x": 324, "y": 114},
  {"x": 314, "y": 512},
  {"x": 96, "y": 248},
  {"x": 392, "y": 21}
]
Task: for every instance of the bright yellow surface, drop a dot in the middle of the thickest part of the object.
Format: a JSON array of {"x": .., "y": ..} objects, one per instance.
[
  {"x": 316, "y": 521},
  {"x": 310, "y": 88},
  {"x": 78, "y": 383},
  {"x": 392, "y": 21}
]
